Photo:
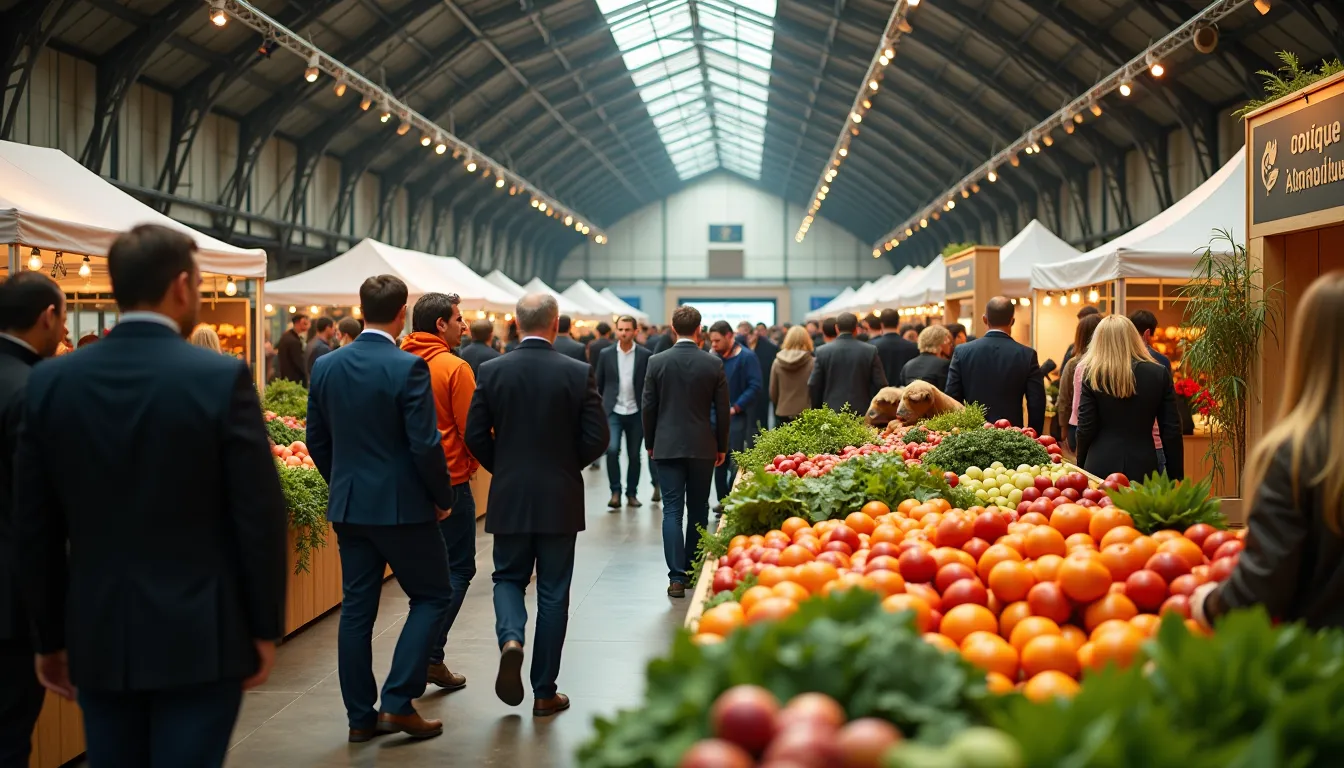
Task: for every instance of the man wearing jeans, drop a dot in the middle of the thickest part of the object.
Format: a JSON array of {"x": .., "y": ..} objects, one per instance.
[
  {"x": 620, "y": 379},
  {"x": 743, "y": 373},
  {"x": 683, "y": 386}
]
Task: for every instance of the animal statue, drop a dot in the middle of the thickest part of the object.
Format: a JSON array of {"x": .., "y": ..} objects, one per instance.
[
  {"x": 921, "y": 400},
  {"x": 882, "y": 410}
]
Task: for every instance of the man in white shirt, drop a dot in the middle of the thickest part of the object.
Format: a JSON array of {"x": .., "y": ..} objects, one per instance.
[{"x": 620, "y": 379}]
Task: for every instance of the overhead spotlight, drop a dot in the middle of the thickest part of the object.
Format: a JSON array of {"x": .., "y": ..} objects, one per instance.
[
  {"x": 600, "y": 239},
  {"x": 853, "y": 131},
  {"x": 1048, "y": 140},
  {"x": 404, "y": 128},
  {"x": 586, "y": 229},
  {"x": 365, "y": 103},
  {"x": 85, "y": 268},
  {"x": 951, "y": 204},
  {"x": 904, "y": 26},
  {"x": 1068, "y": 128},
  {"x": 1262, "y": 6},
  {"x": 1206, "y": 37},
  {"x": 909, "y": 232},
  {"x": 975, "y": 188},
  {"x": 1078, "y": 118},
  {"x": 877, "y": 253},
  {"x": 267, "y": 47},
  {"x": 923, "y": 223},
  {"x": 1036, "y": 147},
  {"x": 1125, "y": 90},
  {"x": 1095, "y": 109},
  {"x": 873, "y": 85},
  {"x": 889, "y": 52},
  {"x": 1155, "y": 67},
  {"x": 471, "y": 166},
  {"x": 1029, "y": 150},
  {"x": 541, "y": 207},
  {"x": 230, "y": 287},
  {"x": 825, "y": 188},
  {"x": 965, "y": 194},
  {"x": 217, "y": 15},
  {"x": 535, "y": 202},
  {"x": 339, "y": 88},
  {"x": 386, "y": 114},
  {"x": 426, "y": 140},
  {"x": 270, "y": 309},
  {"x": 911, "y": 3},
  {"x": 568, "y": 220},
  {"x": 457, "y": 152},
  {"x": 310, "y": 74},
  {"x": 936, "y": 215},
  {"x": 993, "y": 177},
  {"x": 856, "y": 117},
  {"x": 844, "y": 152},
  {"x": 293, "y": 309},
  {"x": 499, "y": 183},
  {"x": 513, "y": 190},
  {"x": 578, "y": 226},
  {"x": 867, "y": 104},
  {"x": 440, "y": 148},
  {"x": 1013, "y": 161},
  {"x": 883, "y": 60}
]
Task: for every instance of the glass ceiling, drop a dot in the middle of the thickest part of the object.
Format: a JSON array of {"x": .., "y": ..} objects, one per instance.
[{"x": 703, "y": 70}]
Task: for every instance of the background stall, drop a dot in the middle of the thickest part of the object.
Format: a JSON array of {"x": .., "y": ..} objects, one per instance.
[
  {"x": 1034, "y": 245},
  {"x": 970, "y": 279},
  {"x": 921, "y": 298},
  {"x": 582, "y": 315},
  {"x": 833, "y": 306},
  {"x": 583, "y": 293},
  {"x": 622, "y": 307}
]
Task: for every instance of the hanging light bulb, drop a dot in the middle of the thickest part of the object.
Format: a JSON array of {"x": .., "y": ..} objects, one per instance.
[
  {"x": 873, "y": 85},
  {"x": 535, "y": 202},
  {"x": 541, "y": 207},
  {"x": 951, "y": 204},
  {"x": 1093, "y": 296},
  {"x": 1155, "y": 67},
  {"x": 1078, "y": 118},
  {"x": 499, "y": 183},
  {"x": 1047, "y": 299},
  {"x": 426, "y": 140},
  {"x": 909, "y": 231},
  {"x": 471, "y": 166},
  {"x": 856, "y": 117},
  {"x": 356, "y": 311},
  {"x": 923, "y": 223},
  {"x": 1048, "y": 140},
  {"x": 339, "y": 88},
  {"x": 1068, "y": 127},
  {"x": 293, "y": 309},
  {"x": 1095, "y": 109},
  {"x": 217, "y": 15},
  {"x": 1125, "y": 90},
  {"x": 440, "y": 147},
  {"x": 1075, "y": 297},
  {"x": 965, "y": 194},
  {"x": 269, "y": 309},
  {"x": 314, "y": 310},
  {"x": 1024, "y": 302},
  {"x": 883, "y": 60},
  {"x": 310, "y": 74},
  {"x": 867, "y": 104},
  {"x": 569, "y": 220},
  {"x": 508, "y": 317},
  {"x": 85, "y": 268},
  {"x": 230, "y": 287},
  {"x": 366, "y": 102},
  {"x": 844, "y": 152},
  {"x": 386, "y": 114},
  {"x": 993, "y": 177},
  {"x": 513, "y": 190},
  {"x": 35, "y": 260}
]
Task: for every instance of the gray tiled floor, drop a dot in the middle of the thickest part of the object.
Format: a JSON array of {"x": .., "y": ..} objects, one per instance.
[{"x": 619, "y": 619}]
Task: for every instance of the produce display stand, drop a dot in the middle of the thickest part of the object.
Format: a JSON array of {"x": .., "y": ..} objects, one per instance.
[{"x": 701, "y": 594}]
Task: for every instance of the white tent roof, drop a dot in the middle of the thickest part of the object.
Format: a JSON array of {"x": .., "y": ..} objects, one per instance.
[
  {"x": 505, "y": 282},
  {"x": 583, "y": 293},
  {"x": 892, "y": 292},
  {"x": 567, "y": 305},
  {"x": 336, "y": 283},
  {"x": 621, "y": 305},
  {"x": 1166, "y": 245},
  {"x": 1035, "y": 245},
  {"x": 864, "y": 298},
  {"x": 928, "y": 288},
  {"x": 835, "y": 303},
  {"x": 49, "y": 201}
]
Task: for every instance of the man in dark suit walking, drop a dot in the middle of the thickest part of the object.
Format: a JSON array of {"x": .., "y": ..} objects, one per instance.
[
  {"x": 373, "y": 434},
  {"x": 602, "y": 341},
  {"x": 160, "y": 662},
  {"x": 758, "y": 341},
  {"x": 535, "y": 421},
  {"x": 566, "y": 344},
  {"x": 620, "y": 379},
  {"x": 324, "y": 328},
  {"x": 997, "y": 372},
  {"x": 289, "y": 360},
  {"x": 479, "y": 350},
  {"x": 892, "y": 350},
  {"x": 32, "y": 323},
  {"x": 848, "y": 372},
  {"x": 686, "y": 419}
]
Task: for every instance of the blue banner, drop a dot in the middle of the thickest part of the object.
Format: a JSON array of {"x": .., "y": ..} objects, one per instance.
[
  {"x": 725, "y": 233},
  {"x": 633, "y": 301},
  {"x": 820, "y": 301}
]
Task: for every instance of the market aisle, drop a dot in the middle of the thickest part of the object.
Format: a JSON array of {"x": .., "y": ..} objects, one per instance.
[{"x": 620, "y": 616}]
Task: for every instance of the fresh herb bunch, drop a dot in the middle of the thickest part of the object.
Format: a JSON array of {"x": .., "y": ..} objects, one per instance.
[
  {"x": 1251, "y": 695},
  {"x": 818, "y": 430},
  {"x": 1160, "y": 503},
  {"x": 917, "y": 434},
  {"x": 306, "y": 496},
  {"x": 843, "y": 645},
  {"x": 733, "y": 595},
  {"x": 1293, "y": 79},
  {"x": 283, "y": 435},
  {"x": 982, "y": 447},
  {"x": 970, "y": 417},
  {"x": 286, "y": 398}
]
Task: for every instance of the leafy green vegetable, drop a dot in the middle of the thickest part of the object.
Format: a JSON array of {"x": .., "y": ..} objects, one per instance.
[
  {"x": 970, "y": 417},
  {"x": 916, "y": 435},
  {"x": 982, "y": 447},
  {"x": 871, "y": 661},
  {"x": 283, "y": 435},
  {"x": 1162, "y": 503},
  {"x": 286, "y": 398},
  {"x": 818, "y": 430},
  {"x": 732, "y": 595},
  {"x": 306, "y": 496}
]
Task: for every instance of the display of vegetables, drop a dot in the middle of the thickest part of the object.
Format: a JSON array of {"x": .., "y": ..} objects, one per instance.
[
  {"x": 813, "y": 432},
  {"x": 286, "y": 398},
  {"x": 1004, "y": 443},
  {"x": 304, "y": 488},
  {"x": 1161, "y": 503}
]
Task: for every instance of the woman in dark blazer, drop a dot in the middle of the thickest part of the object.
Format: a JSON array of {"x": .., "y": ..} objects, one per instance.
[
  {"x": 935, "y": 352},
  {"x": 1124, "y": 391},
  {"x": 1293, "y": 561}
]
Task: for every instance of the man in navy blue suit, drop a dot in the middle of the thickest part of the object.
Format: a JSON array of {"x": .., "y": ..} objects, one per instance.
[
  {"x": 373, "y": 435},
  {"x": 998, "y": 372}
]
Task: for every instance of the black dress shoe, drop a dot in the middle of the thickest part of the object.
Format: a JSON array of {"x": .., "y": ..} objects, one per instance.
[
  {"x": 657, "y": 495},
  {"x": 676, "y": 589},
  {"x": 615, "y": 502},
  {"x": 631, "y": 501},
  {"x": 509, "y": 680}
]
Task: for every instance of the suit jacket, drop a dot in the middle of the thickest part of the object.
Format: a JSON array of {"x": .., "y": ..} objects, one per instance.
[
  {"x": 316, "y": 349},
  {"x": 595, "y": 348},
  {"x": 894, "y": 352},
  {"x": 766, "y": 351},
  {"x": 686, "y": 405},
  {"x": 535, "y": 422},
  {"x": 847, "y": 372},
  {"x": 373, "y": 434},
  {"x": 609, "y": 375},
  {"x": 1116, "y": 435},
  {"x": 173, "y": 515},
  {"x": 660, "y": 342},
  {"x": 569, "y": 347},
  {"x": 998, "y": 372},
  {"x": 289, "y": 361},
  {"x": 929, "y": 367},
  {"x": 16, "y": 363},
  {"x": 475, "y": 354}
]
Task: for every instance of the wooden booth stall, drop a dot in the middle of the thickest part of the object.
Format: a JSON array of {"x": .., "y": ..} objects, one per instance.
[
  {"x": 970, "y": 280},
  {"x": 1294, "y": 216}
]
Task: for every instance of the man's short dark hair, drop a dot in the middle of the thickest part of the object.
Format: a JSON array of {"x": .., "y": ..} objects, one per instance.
[
  {"x": 999, "y": 311},
  {"x": 891, "y": 318},
  {"x": 846, "y": 322},
  {"x": 956, "y": 329},
  {"x": 297, "y": 318},
  {"x": 382, "y": 297},
  {"x": 810, "y": 322},
  {"x": 145, "y": 261},
  {"x": 828, "y": 327},
  {"x": 349, "y": 326},
  {"x": 323, "y": 323},
  {"x": 481, "y": 330},
  {"x": 685, "y": 320},
  {"x": 722, "y": 328},
  {"x": 565, "y": 322},
  {"x": 1091, "y": 309},
  {"x": 24, "y": 297},
  {"x": 763, "y": 325},
  {"x": 603, "y": 328},
  {"x": 429, "y": 309},
  {"x": 626, "y": 319},
  {"x": 907, "y": 327},
  {"x": 875, "y": 321},
  {"x": 1143, "y": 320}
]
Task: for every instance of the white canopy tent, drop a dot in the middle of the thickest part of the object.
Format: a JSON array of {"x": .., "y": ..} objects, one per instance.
[
  {"x": 503, "y": 281},
  {"x": 865, "y": 298},
  {"x": 928, "y": 288},
  {"x": 834, "y": 305},
  {"x": 888, "y": 296},
  {"x": 336, "y": 283},
  {"x": 1034, "y": 246},
  {"x": 567, "y": 305},
  {"x": 1166, "y": 245},
  {"x": 622, "y": 307},
  {"x": 583, "y": 293},
  {"x": 51, "y": 202}
]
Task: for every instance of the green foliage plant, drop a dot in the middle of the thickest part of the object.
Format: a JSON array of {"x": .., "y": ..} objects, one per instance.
[
  {"x": 1289, "y": 79},
  {"x": 984, "y": 446},
  {"x": 306, "y": 500},
  {"x": 970, "y": 417},
  {"x": 286, "y": 398},
  {"x": 817, "y": 430},
  {"x": 283, "y": 435},
  {"x": 1160, "y": 503},
  {"x": 952, "y": 249}
]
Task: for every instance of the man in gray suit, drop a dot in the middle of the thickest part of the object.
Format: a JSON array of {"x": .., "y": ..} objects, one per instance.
[
  {"x": 681, "y": 388},
  {"x": 847, "y": 371}
]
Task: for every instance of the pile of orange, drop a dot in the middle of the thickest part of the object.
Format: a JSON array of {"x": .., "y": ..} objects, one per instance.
[{"x": 1049, "y": 598}]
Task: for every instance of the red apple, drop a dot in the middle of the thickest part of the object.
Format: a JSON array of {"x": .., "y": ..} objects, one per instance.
[
  {"x": 1119, "y": 479},
  {"x": 1178, "y": 603},
  {"x": 1199, "y": 532},
  {"x": 965, "y": 591},
  {"x": 950, "y": 574},
  {"x": 1215, "y": 540},
  {"x": 976, "y": 547},
  {"x": 1168, "y": 565},
  {"x": 1223, "y": 567},
  {"x": 1040, "y": 483},
  {"x": 1229, "y": 549},
  {"x": 1146, "y": 589},
  {"x": 746, "y": 716}
]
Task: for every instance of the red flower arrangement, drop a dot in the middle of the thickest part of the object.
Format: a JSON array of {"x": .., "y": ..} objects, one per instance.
[{"x": 1187, "y": 388}]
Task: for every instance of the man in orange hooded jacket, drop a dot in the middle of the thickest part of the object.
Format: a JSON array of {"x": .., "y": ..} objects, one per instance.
[{"x": 436, "y": 325}]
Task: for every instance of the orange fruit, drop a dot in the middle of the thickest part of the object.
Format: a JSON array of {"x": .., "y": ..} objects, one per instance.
[
  {"x": 810, "y": 543},
  {"x": 886, "y": 583},
  {"x": 996, "y": 554},
  {"x": 775, "y": 538},
  {"x": 1111, "y": 606},
  {"x": 756, "y": 540},
  {"x": 1048, "y": 600},
  {"x": 1104, "y": 519},
  {"x": 1085, "y": 656},
  {"x": 1145, "y": 546},
  {"x": 1165, "y": 535},
  {"x": 1185, "y": 549},
  {"x": 941, "y": 505},
  {"x": 1032, "y": 626},
  {"x": 942, "y": 642},
  {"x": 1083, "y": 578},
  {"x": 1123, "y": 534},
  {"x": 1034, "y": 519},
  {"x": 862, "y": 522},
  {"x": 996, "y": 683},
  {"x": 966, "y": 618},
  {"x": 906, "y": 506},
  {"x": 1044, "y": 540},
  {"x": 1046, "y": 567},
  {"x": 795, "y": 555},
  {"x": 989, "y": 652},
  {"x": 815, "y": 575},
  {"x": 886, "y": 532},
  {"x": 875, "y": 509},
  {"x": 1049, "y": 652},
  {"x": 845, "y": 581},
  {"x": 904, "y": 602},
  {"x": 722, "y": 619},
  {"x": 771, "y": 575},
  {"x": 1048, "y": 685},
  {"x": 1011, "y": 615},
  {"x": 1074, "y": 635},
  {"x": 1015, "y": 541},
  {"x": 755, "y": 595},
  {"x": 1069, "y": 519},
  {"x": 792, "y": 526},
  {"x": 925, "y": 592},
  {"x": 771, "y": 609},
  {"x": 791, "y": 590},
  {"x": 1010, "y": 581},
  {"x": 706, "y": 638},
  {"x": 1146, "y": 623},
  {"x": 1119, "y": 646},
  {"x": 1080, "y": 541},
  {"x": 1121, "y": 559},
  {"x": 1110, "y": 625},
  {"x": 739, "y": 541}
]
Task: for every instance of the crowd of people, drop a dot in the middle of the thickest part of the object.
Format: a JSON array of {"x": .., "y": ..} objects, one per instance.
[{"x": 157, "y": 618}]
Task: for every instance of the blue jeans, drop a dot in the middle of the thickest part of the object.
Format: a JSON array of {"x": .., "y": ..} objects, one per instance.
[
  {"x": 737, "y": 441},
  {"x": 1161, "y": 461},
  {"x": 685, "y": 484},
  {"x": 552, "y": 555},
  {"x": 188, "y": 726},
  {"x": 459, "y": 539},
  {"x": 632, "y": 425}
]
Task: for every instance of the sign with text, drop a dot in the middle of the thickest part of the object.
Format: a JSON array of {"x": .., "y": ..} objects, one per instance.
[
  {"x": 725, "y": 233},
  {"x": 960, "y": 279},
  {"x": 1296, "y": 161}
]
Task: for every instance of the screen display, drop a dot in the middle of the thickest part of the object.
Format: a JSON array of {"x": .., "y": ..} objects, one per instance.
[{"x": 733, "y": 310}]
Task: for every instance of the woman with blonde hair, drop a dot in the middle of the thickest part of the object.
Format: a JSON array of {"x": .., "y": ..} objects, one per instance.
[
  {"x": 935, "y": 356},
  {"x": 205, "y": 336},
  {"x": 789, "y": 375},
  {"x": 1123, "y": 392},
  {"x": 1293, "y": 563}
]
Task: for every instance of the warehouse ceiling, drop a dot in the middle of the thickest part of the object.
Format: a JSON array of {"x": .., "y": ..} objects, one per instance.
[{"x": 611, "y": 105}]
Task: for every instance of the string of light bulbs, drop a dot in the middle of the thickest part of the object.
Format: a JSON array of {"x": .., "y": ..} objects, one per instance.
[
  {"x": 1030, "y": 143},
  {"x": 389, "y": 106},
  {"x": 868, "y": 88},
  {"x": 1074, "y": 296}
]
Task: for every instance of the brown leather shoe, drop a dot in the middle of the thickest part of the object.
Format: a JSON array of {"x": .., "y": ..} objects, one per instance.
[
  {"x": 509, "y": 681},
  {"x": 676, "y": 589},
  {"x": 547, "y": 707},
  {"x": 412, "y": 725},
  {"x": 449, "y": 681},
  {"x": 361, "y": 735}
]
